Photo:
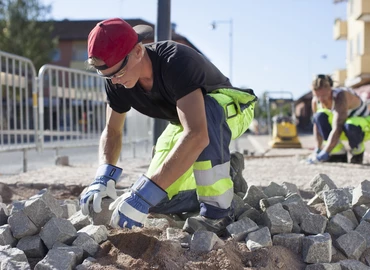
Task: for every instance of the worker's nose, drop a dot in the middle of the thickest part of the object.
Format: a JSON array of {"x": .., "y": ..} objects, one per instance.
[{"x": 115, "y": 80}]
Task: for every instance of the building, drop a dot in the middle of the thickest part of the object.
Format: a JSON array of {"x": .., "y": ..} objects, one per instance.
[
  {"x": 72, "y": 37},
  {"x": 355, "y": 30}
]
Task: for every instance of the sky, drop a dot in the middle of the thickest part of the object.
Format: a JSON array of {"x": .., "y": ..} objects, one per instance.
[{"x": 277, "y": 45}]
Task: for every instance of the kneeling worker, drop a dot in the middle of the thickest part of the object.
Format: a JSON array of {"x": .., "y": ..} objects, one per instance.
[
  {"x": 190, "y": 169},
  {"x": 339, "y": 114}
]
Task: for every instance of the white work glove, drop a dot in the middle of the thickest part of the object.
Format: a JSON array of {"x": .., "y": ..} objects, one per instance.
[
  {"x": 132, "y": 208},
  {"x": 104, "y": 185}
]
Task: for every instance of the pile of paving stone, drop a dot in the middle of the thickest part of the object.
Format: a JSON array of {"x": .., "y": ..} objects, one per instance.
[
  {"x": 336, "y": 238},
  {"x": 56, "y": 235},
  {"x": 49, "y": 231}
]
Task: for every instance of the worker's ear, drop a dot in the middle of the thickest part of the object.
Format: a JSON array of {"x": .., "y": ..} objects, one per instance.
[{"x": 138, "y": 51}]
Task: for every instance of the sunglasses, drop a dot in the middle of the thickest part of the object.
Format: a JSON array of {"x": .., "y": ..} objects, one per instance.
[{"x": 117, "y": 74}]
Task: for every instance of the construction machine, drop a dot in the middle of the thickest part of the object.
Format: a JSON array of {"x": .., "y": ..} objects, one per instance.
[{"x": 283, "y": 129}]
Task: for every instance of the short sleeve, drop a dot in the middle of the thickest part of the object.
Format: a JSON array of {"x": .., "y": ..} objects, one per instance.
[
  {"x": 115, "y": 101},
  {"x": 184, "y": 75}
]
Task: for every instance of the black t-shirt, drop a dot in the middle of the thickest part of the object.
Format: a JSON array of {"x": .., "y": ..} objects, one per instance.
[{"x": 177, "y": 71}]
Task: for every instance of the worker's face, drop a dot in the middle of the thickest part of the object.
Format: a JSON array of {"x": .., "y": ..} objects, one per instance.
[
  {"x": 127, "y": 75},
  {"x": 323, "y": 94},
  {"x": 120, "y": 71}
]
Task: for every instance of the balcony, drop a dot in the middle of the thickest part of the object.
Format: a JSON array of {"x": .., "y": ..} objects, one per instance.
[
  {"x": 339, "y": 77},
  {"x": 359, "y": 67},
  {"x": 340, "y": 30},
  {"x": 361, "y": 10}
]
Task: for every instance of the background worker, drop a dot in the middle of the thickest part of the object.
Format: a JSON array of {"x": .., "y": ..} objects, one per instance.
[
  {"x": 339, "y": 114},
  {"x": 191, "y": 165}
]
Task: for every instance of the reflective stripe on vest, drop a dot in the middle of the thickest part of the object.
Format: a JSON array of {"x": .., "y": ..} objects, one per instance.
[
  {"x": 214, "y": 185},
  {"x": 222, "y": 201}
]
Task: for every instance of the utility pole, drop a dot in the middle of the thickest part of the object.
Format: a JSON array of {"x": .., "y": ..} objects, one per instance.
[{"x": 162, "y": 32}]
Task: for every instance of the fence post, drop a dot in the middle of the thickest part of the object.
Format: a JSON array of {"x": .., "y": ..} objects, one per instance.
[
  {"x": 35, "y": 102},
  {"x": 24, "y": 160}
]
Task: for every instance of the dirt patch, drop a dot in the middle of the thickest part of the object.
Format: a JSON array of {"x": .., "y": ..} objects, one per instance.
[
  {"x": 19, "y": 191},
  {"x": 143, "y": 249}
]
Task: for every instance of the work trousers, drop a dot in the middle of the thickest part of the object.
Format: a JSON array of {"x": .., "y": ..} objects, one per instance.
[
  {"x": 206, "y": 185},
  {"x": 354, "y": 129}
]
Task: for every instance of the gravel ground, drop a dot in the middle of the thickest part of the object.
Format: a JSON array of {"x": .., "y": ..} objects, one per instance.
[
  {"x": 287, "y": 165},
  {"x": 278, "y": 165}
]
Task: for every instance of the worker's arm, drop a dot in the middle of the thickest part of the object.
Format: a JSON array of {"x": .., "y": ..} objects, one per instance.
[
  {"x": 316, "y": 133},
  {"x": 339, "y": 118},
  {"x": 111, "y": 138},
  {"x": 107, "y": 174},
  {"x": 132, "y": 209},
  {"x": 193, "y": 140}
]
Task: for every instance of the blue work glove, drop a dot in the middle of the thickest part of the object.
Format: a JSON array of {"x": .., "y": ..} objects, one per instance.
[
  {"x": 323, "y": 156},
  {"x": 320, "y": 157},
  {"x": 132, "y": 208},
  {"x": 104, "y": 185}
]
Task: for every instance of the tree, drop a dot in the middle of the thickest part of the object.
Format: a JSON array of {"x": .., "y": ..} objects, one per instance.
[{"x": 26, "y": 31}]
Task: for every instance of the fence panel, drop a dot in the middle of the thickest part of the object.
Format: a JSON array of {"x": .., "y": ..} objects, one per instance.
[
  {"x": 138, "y": 131},
  {"x": 18, "y": 109},
  {"x": 61, "y": 108},
  {"x": 72, "y": 110},
  {"x": 72, "y": 107}
]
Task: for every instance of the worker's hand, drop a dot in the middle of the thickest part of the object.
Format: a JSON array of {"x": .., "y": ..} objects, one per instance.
[
  {"x": 132, "y": 208},
  {"x": 322, "y": 156},
  {"x": 104, "y": 185}
]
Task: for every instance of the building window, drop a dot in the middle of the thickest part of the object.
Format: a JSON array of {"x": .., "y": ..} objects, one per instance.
[
  {"x": 350, "y": 50},
  {"x": 350, "y": 11},
  {"x": 79, "y": 52},
  {"x": 56, "y": 55},
  {"x": 359, "y": 44}
]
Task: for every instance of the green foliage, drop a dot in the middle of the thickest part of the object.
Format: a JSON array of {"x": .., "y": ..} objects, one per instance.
[
  {"x": 25, "y": 30},
  {"x": 260, "y": 110}
]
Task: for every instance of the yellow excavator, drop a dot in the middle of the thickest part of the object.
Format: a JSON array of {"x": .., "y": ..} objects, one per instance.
[{"x": 283, "y": 129}]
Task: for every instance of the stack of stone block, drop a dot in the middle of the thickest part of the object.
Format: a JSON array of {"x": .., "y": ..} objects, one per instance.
[
  {"x": 336, "y": 238},
  {"x": 55, "y": 235},
  {"x": 51, "y": 233}
]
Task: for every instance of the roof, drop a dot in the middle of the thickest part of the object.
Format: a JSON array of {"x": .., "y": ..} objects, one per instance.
[
  {"x": 305, "y": 97},
  {"x": 80, "y": 29}
]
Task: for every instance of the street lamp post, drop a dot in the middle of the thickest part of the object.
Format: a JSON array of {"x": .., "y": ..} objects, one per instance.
[
  {"x": 214, "y": 26},
  {"x": 230, "y": 22}
]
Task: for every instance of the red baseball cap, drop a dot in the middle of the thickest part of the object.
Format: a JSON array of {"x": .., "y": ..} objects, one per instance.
[{"x": 112, "y": 40}]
